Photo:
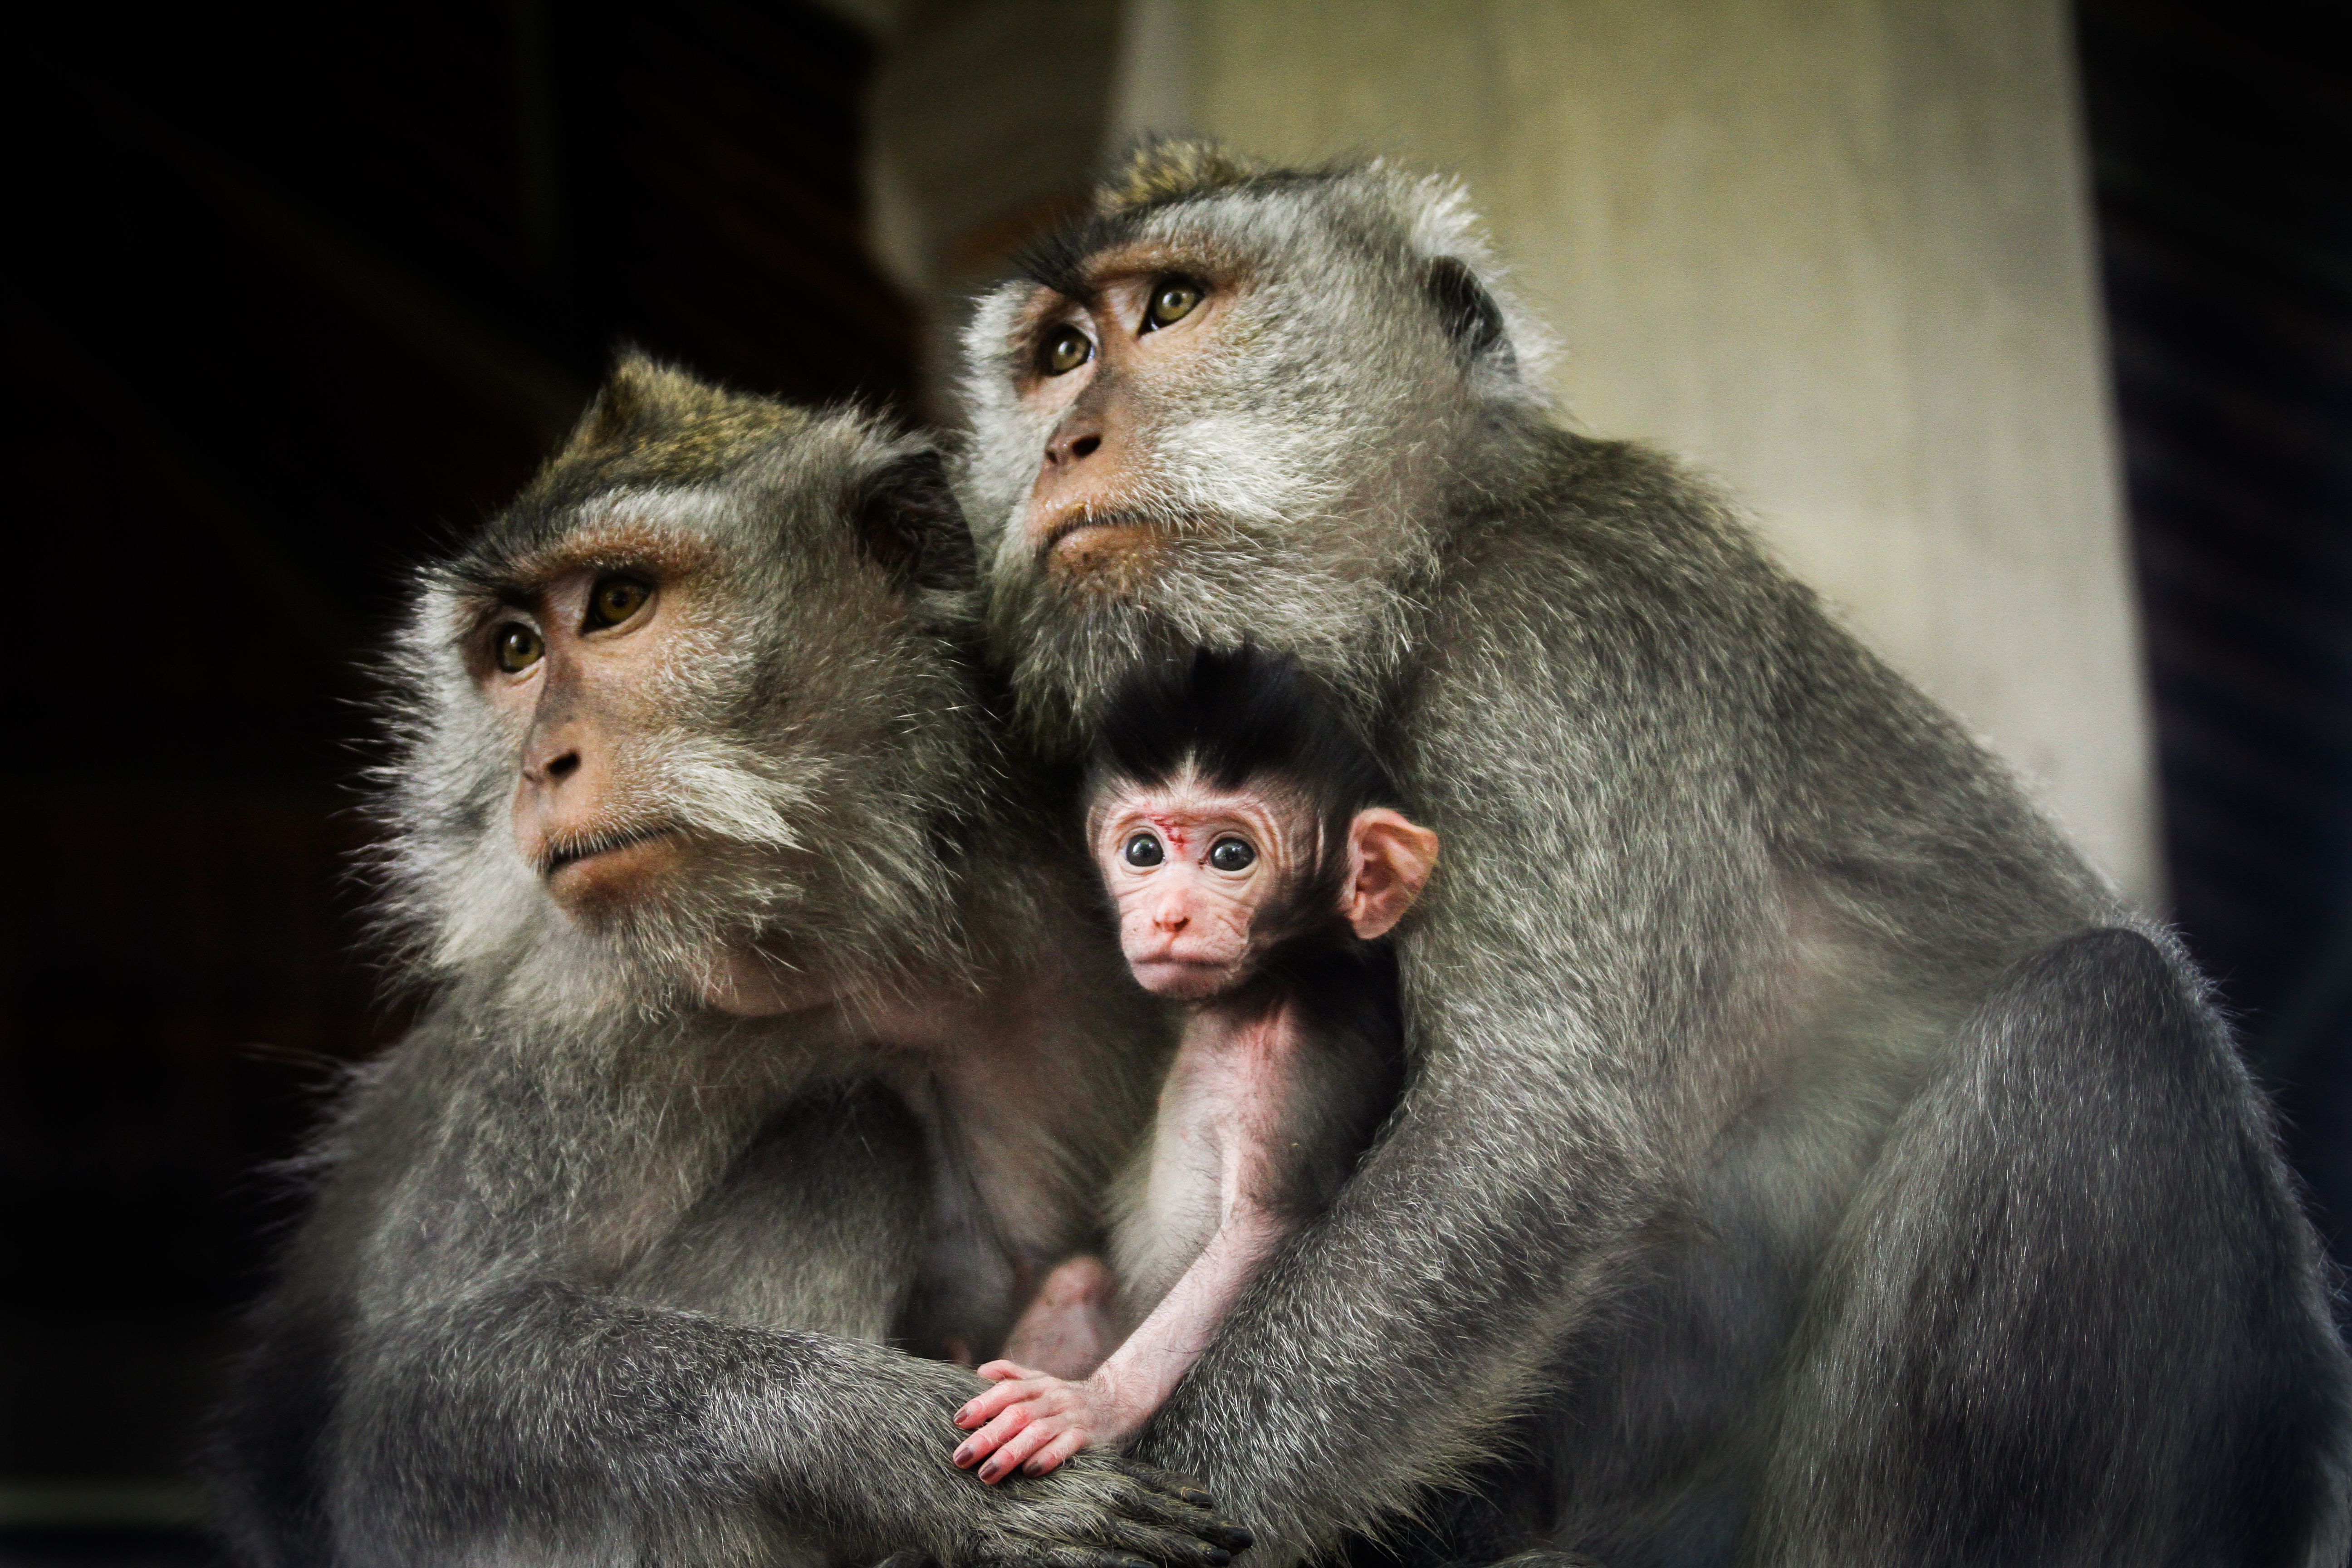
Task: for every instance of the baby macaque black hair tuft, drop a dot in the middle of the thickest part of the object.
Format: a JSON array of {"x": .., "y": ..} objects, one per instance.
[{"x": 1235, "y": 716}]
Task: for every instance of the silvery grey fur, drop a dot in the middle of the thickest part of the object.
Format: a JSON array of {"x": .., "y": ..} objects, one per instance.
[
  {"x": 1806, "y": 1158},
  {"x": 597, "y": 1276}
]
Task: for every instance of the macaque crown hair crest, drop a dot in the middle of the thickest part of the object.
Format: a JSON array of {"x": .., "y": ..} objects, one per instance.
[
  {"x": 654, "y": 428},
  {"x": 1171, "y": 170},
  {"x": 1232, "y": 716},
  {"x": 652, "y": 424}
]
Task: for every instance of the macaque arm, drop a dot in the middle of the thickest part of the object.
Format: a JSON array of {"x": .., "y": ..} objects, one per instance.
[
  {"x": 1034, "y": 1422},
  {"x": 487, "y": 1340}
]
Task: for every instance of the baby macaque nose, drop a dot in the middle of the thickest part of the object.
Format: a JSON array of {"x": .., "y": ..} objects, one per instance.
[{"x": 1171, "y": 917}]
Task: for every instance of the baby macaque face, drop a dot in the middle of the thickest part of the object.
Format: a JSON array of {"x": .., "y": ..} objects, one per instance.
[
  {"x": 1196, "y": 870},
  {"x": 1191, "y": 867}
]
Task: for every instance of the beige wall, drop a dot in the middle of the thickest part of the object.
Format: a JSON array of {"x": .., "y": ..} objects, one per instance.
[{"x": 1836, "y": 251}]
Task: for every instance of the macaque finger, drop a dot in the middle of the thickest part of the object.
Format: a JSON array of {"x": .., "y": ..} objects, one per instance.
[
  {"x": 1170, "y": 1483},
  {"x": 980, "y": 1408},
  {"x": 1069, "y": 1557},
  {"x": 1011, "y": 1450},
  {"x": 1166, "y": 1501},
  {"x": 993, "y": 1435},
  {"x": 1184, "y": 1550},
  {"x": 1048, "y": 1459},
  {"x": 1001, "y": 1370}
]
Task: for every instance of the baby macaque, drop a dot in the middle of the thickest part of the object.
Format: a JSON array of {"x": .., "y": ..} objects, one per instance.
[{"x": 1244, "y": 835}]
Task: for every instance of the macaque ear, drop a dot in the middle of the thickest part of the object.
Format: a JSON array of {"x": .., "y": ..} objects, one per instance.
[
  {"x": 908, "y": 523},
  {"x": 1388, "y": 862},
  {"x": 1469, "y": 314}
]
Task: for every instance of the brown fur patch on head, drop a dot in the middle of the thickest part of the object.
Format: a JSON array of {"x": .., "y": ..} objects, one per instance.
[
  {"x": 1172, "y": 171},
  {"x": 656, "y": 423}
]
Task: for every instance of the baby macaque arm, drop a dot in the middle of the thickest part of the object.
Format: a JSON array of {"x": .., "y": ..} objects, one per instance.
[{"x": 1033, "y": 1421}]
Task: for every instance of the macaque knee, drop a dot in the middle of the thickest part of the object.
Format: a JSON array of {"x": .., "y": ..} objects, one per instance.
[
  {"x": 1081, "y": 1281},
  {"x": 1066, "y": 1329}
]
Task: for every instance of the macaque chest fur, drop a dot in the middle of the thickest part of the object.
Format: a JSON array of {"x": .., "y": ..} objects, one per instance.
[{"x": 1262, "y": 1118}]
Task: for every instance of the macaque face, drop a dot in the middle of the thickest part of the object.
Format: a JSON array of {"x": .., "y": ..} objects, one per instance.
[
  {"x": 1192, "y": 868},
  {"x": 575, "y": 664},
  {"x": 1196, "y": 872},
  {"x": 1146, "y": 330}
]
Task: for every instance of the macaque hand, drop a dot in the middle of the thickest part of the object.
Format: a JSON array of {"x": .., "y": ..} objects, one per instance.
[{"x": 1032, "y": 1422}]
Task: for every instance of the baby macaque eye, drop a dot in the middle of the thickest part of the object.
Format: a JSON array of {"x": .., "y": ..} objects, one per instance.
[
  {"x": 1066, "y": 348},
  {"x": 614, "y": 600},
  {"x": 1172, "y": 302},
  {"x": 1143, "y": 850},
  {"x": 518, "y": 647},
  {"x": 1232, "y": 855}
]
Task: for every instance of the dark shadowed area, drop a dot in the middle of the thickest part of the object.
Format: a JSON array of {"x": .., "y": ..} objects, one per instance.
[
  {"x": 296, "y": 301},
  {"x": 2221, "y": 139}
]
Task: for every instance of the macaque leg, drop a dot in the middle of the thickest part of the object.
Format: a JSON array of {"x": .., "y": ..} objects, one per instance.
[
  {"x": 2081, "y": 1202},
  {"x": 1067, "y": 1331}
]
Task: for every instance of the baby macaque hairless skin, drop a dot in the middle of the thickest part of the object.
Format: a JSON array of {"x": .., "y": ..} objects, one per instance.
[{"x": 1254, "y": 887}]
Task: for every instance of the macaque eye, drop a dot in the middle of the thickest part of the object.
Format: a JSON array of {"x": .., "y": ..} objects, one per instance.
[
  {"x": 614, "y": 600},
  {"x": 1232, "y": 855},
  {"x": 1172, "y": 302},
  {"x": 518, "y": 647},
  {"x": 1065, "y": 350},
  {"x": 1143, "y": 850}
]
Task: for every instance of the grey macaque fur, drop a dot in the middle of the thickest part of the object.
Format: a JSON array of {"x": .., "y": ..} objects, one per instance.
[
  {"x": 596, "y": 1275},
  {"x": 1805, "y": 1157}
]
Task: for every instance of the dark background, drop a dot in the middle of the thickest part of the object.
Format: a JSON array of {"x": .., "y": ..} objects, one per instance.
[{"x": 295, "y": 302}]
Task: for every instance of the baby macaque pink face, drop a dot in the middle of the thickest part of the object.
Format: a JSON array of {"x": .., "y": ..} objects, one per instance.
[{"x": 1191, "y": 867}]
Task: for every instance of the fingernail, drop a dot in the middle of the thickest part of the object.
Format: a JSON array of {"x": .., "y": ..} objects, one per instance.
[
  {"x": 1237, "y": 1538},
  {"x": 1197, "y": 1497},
  {"x": 964, "y": 1454},
  {"x": 1216, "y": 1557}
]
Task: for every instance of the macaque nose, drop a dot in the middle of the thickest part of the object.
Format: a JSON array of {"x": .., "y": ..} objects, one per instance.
[
  {"x": 1069, "y": 447},
  {"x": 549, "y": 762},
  {"x": 1170, "y": 917}
]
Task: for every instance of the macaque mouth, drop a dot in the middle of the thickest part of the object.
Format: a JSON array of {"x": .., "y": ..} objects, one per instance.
[
  {"x": 1087, "y": 520},
  {"x": 566, "y": 852}
]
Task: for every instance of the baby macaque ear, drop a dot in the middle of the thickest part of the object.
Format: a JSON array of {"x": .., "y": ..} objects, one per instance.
[{"x": 1388, "y": 862}]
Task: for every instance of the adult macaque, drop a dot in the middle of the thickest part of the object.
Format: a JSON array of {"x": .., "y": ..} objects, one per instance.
[
  {"x": 756, "y": 1042},
  {"x": 1246, "y": 839},
  {"x": 1805, "y": 1156}
]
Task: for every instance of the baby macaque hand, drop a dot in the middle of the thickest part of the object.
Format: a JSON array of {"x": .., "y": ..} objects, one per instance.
[{"x": 1033, "y": 1421}]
